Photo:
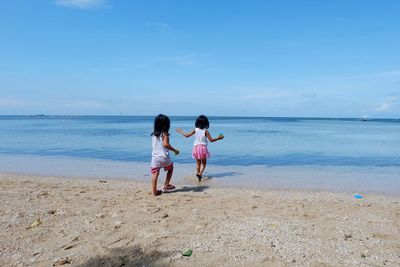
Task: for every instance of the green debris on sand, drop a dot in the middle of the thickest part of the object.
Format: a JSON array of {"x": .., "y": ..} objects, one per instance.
[{"x": 187, "y": 253}]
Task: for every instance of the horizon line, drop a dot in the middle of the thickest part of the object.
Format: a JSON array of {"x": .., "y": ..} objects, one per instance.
[{"x": 221, "y": 116}]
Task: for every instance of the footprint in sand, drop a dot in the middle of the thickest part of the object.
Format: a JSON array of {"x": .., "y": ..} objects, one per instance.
[
  {"x": 193, "y": 180},
  {"x": 207, "y": 178},
  {"x": 150, "y": 208}
]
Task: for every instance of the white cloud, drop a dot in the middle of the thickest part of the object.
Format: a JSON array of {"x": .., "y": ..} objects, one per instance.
[
  {"x": 387, "y": 105},
  {"x": 376, "y": 75},
  {"x": 263, "y": 95},
  {"x": 194, "y": 60},
  {"x": 183, "y": 60},
  {"x": 383, "y": 107},
  {"x": 83, "y": 4},
  {"x": 258, "y": 93},
  {"x": 84, "y": 104},
  {"x": 393, "y": 73},
  {"x": 309, "y": 95},
  {"x": 163, "y": 27},
  {"x": 10, "y": 102},
  {"x": 107, "y": 70}
]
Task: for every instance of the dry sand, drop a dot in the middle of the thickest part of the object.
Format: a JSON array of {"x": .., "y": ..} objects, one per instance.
[{"x": 119, "y": 224}]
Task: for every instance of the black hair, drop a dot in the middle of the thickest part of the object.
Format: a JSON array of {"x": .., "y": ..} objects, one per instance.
[
  {"x": 202, "y": 122},
  {"x": 161, "y": 125}
]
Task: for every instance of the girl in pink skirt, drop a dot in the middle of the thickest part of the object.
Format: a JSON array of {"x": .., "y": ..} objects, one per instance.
[{"x": 202, "y": 136}]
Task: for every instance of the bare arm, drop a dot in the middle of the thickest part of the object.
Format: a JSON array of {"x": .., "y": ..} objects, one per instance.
[
  {"x": 213, "y": 139},
  {"x": 167, "y": 145},
  {"x": 179, "y": 130}
]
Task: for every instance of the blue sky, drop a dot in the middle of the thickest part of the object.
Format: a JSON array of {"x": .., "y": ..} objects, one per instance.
[{"x": 246, "y": 58}]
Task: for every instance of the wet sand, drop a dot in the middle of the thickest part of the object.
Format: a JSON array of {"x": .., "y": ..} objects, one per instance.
[{"x": 117, "y": 223}]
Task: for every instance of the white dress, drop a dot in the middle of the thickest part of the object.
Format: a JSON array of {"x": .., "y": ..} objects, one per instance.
[{"x": 160, "y": 155}]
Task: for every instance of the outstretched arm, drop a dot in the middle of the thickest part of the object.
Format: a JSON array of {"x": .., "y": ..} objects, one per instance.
[
  {"x": 179, "y": 130},
  {"x": 167, "y": 145},
  {"x": 213, "y": 139}
]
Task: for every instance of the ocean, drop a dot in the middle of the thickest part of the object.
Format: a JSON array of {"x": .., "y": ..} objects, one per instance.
[{"x": 311, "y": 144}]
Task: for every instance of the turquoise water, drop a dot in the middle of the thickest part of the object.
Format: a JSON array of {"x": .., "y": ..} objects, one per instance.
[{"x": 248, "y": 141}]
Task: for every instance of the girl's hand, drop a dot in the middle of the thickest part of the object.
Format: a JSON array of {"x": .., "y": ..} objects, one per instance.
[
  {"x": 179, "y": 130},
  {"x": 220, "y": 136},
  {"x": 176, "y": 151}
]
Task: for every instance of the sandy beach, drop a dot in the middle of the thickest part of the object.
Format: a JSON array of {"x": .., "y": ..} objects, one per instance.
[{"x": 117, "y": 223}]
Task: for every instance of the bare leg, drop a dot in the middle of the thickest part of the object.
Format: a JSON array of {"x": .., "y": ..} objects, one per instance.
[
  {"x": 198, "y": 163},
  {"x": 203, "y": 166},
  {"x": 154, "y": 183},
  {"x": 169, "y": 176}
]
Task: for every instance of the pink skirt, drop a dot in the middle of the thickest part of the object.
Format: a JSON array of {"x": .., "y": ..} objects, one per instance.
[{"x": 200, "y": 152}]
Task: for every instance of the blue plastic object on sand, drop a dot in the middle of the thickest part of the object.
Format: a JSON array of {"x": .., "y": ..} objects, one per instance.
[{"x": 358, "y": 196}]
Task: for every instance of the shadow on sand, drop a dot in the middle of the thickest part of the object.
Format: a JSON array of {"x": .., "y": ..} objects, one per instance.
[
  {"x": 130, "y": 256},
  {"x": 223, "y": 174},
  {"x": 200, "y": 188}
]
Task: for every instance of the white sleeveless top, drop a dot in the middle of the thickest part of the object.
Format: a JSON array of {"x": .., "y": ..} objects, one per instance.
[
  {"x": 200, "y": 137},
  {"x": 158, "y": 147}
]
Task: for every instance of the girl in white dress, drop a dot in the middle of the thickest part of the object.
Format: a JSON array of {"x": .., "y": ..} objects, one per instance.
[
  {"x": 160, "y": 155},
  {"x": 200, "y": 146}
]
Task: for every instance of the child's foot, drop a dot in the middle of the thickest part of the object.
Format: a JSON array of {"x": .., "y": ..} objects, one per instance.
[
  {"x": 199, "y": 177},
  {"x": 169, "y": 187},
  {"x": 157, "y": 193}
]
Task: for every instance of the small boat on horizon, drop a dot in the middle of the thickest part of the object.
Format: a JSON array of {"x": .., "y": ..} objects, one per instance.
[
  {"x": 364, "y": 118},
  {"x": 37, "y": 116}
]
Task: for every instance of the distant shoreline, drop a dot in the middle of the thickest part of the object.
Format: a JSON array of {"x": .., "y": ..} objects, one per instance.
[{"x": 193, "y": 116}]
